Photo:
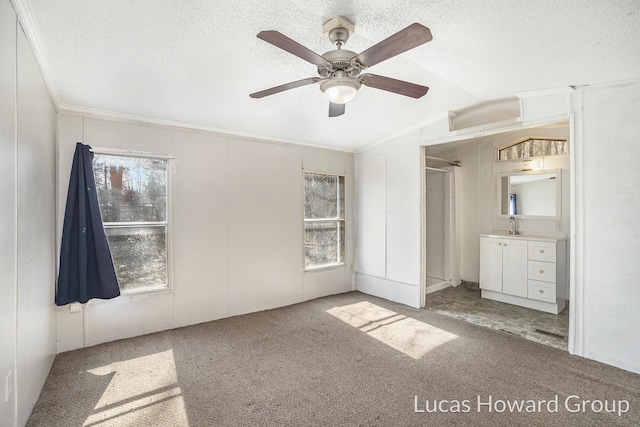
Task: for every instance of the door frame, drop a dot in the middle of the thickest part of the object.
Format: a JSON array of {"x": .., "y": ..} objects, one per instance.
[
  {"x": 576, "y": 206},
  {"x": 451, "y": 271}
]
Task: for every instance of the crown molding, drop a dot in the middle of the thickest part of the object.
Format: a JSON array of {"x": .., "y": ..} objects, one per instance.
[
  {"x": 25, "y": 18},
  {"x": 134, "y": 119}
]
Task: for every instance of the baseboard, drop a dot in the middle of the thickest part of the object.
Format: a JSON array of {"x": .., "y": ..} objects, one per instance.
[
  {"x": 404, "y": 293},
  {"x": 524, "y": 302},
  {"x": 437, "y": 287}
]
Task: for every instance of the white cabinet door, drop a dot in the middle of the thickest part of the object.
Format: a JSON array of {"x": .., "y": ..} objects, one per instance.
[
  {"x": 514, "y": 267},
  {"x": 491, "y": 264}
]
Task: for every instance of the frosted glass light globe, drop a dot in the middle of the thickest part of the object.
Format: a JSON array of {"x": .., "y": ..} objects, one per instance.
[{"x": 341, "y": 90}]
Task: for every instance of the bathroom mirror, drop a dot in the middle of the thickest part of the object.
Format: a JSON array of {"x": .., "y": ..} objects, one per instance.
[{"x": 530, "y": 194}]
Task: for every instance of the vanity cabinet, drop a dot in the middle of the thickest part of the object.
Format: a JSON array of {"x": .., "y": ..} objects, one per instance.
[
  {"x": 503, "y": 265},
  {"x": 525, "y": 271}
]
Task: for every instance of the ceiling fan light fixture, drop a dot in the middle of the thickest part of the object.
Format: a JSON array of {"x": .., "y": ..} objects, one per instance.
[
  {"x": 339, "y": 69},
  {"x": 340, "y": 90}
]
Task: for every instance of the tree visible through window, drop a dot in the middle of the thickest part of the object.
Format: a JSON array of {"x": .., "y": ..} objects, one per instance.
[
  {"x": 323, "y": 220},
  {"x": 533, "y": 147},
  {"x": 132, "y": 193}
]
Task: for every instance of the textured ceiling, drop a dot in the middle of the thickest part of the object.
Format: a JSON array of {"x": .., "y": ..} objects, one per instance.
[{"x": 197, "y": 61}]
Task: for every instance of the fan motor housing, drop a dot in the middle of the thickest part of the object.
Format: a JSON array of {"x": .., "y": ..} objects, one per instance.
[{"x": 340, "y": 61}]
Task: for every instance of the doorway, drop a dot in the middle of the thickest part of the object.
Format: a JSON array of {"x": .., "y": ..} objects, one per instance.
[{"x": 459, "y": 207}]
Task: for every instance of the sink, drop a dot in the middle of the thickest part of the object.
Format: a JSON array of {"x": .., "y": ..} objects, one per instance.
[{"x": 525, "y": 235}]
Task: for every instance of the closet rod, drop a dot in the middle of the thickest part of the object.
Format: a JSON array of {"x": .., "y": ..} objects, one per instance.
[{"x": 454, "y": 163}]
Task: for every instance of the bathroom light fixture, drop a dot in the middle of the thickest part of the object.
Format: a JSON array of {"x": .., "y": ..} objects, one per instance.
[{"x": 340, "y": 90}]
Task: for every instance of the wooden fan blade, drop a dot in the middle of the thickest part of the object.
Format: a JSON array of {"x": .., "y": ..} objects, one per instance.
[
  {"x": 396, "y": 86},
  {"x": 283, "y": 42},
  {"x": 412, "y": 36},
  {"x": 284, "y": 87},
  {"x": 336, "y": 110}
]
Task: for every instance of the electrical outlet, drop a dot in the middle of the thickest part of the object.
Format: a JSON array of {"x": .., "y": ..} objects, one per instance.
[
  {"x": 75, "y": 307},
  {"x": 8, "y": 387}
]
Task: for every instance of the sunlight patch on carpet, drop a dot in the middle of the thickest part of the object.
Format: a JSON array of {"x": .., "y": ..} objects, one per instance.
[
  {"x": 142, "y": 391},
  {"x": 405, "y": 334}
]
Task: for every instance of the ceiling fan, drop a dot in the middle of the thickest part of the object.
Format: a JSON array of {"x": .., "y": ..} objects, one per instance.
[{"x": 339, "y": 69}]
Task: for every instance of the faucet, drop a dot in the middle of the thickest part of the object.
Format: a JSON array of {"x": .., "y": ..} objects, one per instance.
[{"x": 514, "y": 225}]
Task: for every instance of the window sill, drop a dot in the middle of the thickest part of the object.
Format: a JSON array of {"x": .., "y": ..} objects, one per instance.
[
  {"x": 324, "y": 268},
  {"x": 129, "y": 295},
  {"x": 145, "y": 291}
]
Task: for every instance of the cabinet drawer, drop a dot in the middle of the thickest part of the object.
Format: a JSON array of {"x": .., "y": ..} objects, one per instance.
[
  {"x": 542, "y": 291},
  {"x": 543, "y": 271},
  {"x": 542, "y": 251}
]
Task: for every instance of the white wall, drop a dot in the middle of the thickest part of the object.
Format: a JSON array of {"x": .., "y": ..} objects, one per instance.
[
  {"x": 236, "y": 234},
  {"x": 36, "y": 332},
  {"x": 611, "y": 270},
  {"x": 8, "y": 225},
  {"x": 468, "y": 208},
  {"x": 388, "y": 220},
  {"x": 435, "y": 227},
  {"x": 27, "y": 203}
]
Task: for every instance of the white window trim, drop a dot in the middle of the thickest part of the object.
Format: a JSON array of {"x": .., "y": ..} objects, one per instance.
[
  {"x": 168, "y": 223},
  {"x": 342, "y": 262}
]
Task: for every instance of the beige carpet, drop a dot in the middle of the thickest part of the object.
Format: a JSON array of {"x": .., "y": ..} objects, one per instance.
[{"x": 351, "y": 359}]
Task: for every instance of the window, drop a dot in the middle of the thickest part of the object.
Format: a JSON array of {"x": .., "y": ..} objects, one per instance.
[
  {"x": 132, "y": 193},
  {"x": 533, "y": 147},
  {"x": 323, "y": 220}
]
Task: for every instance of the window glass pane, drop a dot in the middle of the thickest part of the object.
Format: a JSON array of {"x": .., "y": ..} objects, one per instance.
[
  {"x": 139, "y": 255},
  {"x": 321, "y": 194},
  {"x": 131, "y": 189},
  {"x": 324, "y": 243},
  {"x": 534, "y": 148}
]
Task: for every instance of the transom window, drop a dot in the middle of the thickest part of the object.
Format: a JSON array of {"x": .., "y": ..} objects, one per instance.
[
  {"x": 323, "y": 220},
  {"x": 132, "y": 193},
  {"x": 533, "y": 147}
]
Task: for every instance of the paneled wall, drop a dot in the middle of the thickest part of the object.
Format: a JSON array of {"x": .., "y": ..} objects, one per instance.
[
  {"x": 27, "y": 210},
  {"x": 608, "y": 194},
  {"x": 236, "y": 229},
  {"x": 388, "y": 206},
  {"x": 8, "y": 205}
]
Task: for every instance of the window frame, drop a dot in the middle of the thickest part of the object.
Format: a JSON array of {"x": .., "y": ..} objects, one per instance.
[
  {"x": 340, "y": 222},
  {"x": 499, "y": 148},
  {"x": 167, "y": 223}
]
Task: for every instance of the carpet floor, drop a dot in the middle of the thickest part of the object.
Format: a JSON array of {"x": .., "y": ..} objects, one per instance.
[{"x": 344, "y": 360}]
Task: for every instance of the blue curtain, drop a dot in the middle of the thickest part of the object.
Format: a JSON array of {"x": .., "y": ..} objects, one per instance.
[{"x": 86, "y": 266}]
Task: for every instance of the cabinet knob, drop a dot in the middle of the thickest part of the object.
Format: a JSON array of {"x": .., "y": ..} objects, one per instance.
[
  {"x": 540, "y": 271},
  {"x": 541, "y": 291},
  {"x": 541, "y": 251},
  {"x": 499, "y": 244},
  {"x": 504, "y": 244}
]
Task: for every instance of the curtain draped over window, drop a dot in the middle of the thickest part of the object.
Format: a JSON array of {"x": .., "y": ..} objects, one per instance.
[{"x": 86, "y": 266}]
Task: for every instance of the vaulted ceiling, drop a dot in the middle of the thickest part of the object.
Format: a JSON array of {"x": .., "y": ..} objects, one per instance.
[{"x": 197, "y": 61}]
